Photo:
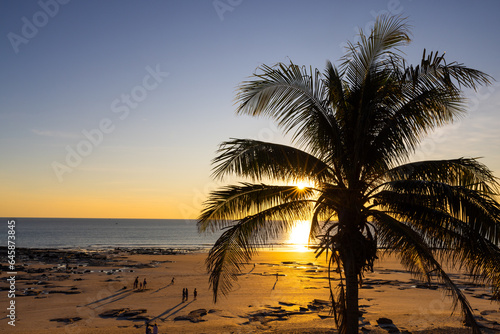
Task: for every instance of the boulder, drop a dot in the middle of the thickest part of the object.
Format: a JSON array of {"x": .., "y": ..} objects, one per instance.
[
  {"x": 193, "y": 316},
  {"x": 67, "y": 320},
  {"x": 384, "y": 321}
]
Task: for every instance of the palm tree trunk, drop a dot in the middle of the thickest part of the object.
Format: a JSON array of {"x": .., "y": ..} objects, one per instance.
[
  {"x": 350, "y": 253},
  {"x": 352, "y": 305}
]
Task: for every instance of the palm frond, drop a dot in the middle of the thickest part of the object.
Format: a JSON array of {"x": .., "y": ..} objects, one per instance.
[
  {"x": 456, "y": 172},
  {"x": 260, "y": 160},
  {"x": 414, "y": 101},
  {"x": 469, "y": 239},
  {"x": 417, "y": 257},
  {"x": 479, "y": 210},
  {"x": 294, "y": 97},
  {"x": 240, "y": 242},
  {"x": 372, "y": 52},
  {"x": 234, "y": 202},
  {"x": 433, "y": 70}
]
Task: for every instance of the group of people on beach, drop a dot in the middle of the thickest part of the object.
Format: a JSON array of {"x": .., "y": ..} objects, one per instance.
[
  {"x": 141, "y": 285},
  {"x": 185, "y": 294},
  {"x": 153, "y": 330}
]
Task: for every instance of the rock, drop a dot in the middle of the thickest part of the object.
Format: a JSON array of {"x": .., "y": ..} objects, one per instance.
[
  {"x": 131, "y": 313},
  {"x": 198, "y": 313},
  {"x": 127, "y": 313},
  {"x": 325, "y": 316},
  {"x": 426, "y": 286},
  {"x": 313, "y": 308},
  {"x": 67, "y": 320},
  {"x": 319, "y": 304},
  {"x": 66, "y": 292},
  {"x": 113, "y": 313},
  {"x": 286, "y": 304},
  {"x": 140, "y": 317},
  {"x": 322, "y": 302},
  {"x": 193, "y": 316},
  {"x": 384, "y": 321}
]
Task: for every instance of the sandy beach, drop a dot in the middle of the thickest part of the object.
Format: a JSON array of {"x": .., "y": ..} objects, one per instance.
[{"x": 61, "y": 292}]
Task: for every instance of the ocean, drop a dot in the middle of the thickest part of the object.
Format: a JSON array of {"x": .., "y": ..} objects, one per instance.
[{"x": 93, "y": 234}]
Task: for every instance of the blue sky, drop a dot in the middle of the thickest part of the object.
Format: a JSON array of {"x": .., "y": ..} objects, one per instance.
[{"x": 87, "y": 68}]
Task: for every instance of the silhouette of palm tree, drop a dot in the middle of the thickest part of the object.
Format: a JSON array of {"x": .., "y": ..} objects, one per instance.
[{"x": 354, "y": 129}]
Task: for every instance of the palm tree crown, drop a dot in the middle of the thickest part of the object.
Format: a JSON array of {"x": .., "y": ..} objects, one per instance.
[{"x": 355, "y": 127}]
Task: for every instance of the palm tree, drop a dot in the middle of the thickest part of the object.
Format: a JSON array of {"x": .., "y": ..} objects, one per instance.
[{"x": 354, "y": 128}]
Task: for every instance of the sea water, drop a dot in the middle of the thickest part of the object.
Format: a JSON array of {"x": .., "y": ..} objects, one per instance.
[{"x": 83, "y": 233}]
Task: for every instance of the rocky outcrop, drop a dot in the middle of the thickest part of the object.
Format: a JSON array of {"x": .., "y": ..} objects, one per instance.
[{"x": 193, "y": 316}]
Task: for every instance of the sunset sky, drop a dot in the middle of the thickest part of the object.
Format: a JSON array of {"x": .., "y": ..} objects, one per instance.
[{"x": 115, "y": 109}]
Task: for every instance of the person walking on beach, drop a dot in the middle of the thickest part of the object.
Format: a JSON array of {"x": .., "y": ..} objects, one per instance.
[
  {"x": 136, "y": 282},
  {"x": 144, "y": 284},
  {"x": 195, "y": 293},
  {"x": 155, "y": 329},
  {"x": 173, "y": 280},
  {"x": 183, "y": 294},
  {"x": 140, "y": 286}
]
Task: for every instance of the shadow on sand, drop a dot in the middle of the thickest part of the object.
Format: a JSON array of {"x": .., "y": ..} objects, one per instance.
[
  {"x": 172, "y": 311},
  {"x": 115, "y": 297},
  {"x": 164, "y": 287}
]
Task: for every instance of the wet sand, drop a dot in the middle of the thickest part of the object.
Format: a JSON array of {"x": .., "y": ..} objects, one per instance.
[{"x": 76, "y": 293}]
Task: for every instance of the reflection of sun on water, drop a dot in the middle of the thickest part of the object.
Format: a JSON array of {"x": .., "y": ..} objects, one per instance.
[{"x": 299, "y": 235}]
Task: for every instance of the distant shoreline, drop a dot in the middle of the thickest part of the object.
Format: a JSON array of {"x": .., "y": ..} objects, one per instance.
[{"x": 148, "y": 250}]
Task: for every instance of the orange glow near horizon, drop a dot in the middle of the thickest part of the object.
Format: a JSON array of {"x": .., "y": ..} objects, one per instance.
[{"x": 94, "y": 205}]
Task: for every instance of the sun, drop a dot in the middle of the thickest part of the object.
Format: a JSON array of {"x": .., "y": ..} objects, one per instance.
[{"x": 301, "y": 185}]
